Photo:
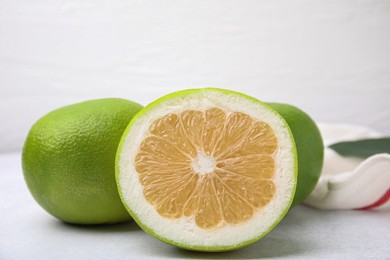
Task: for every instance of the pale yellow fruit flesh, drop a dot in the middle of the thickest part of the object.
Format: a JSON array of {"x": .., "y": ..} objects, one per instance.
[{"x": 213, "y": 165}]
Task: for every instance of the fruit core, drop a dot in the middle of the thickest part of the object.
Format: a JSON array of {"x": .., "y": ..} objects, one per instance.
[
  {"x": 203, "y": 164},
  {"x": 213, "y": 166}
]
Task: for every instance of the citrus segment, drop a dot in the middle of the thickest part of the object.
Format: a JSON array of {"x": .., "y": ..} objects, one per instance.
[{"x": 206, "y": 176}]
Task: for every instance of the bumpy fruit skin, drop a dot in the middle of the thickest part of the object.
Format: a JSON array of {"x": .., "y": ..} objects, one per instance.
[
  {"x": 310, "y": 148},
  {"x": 68, "y": 160}
]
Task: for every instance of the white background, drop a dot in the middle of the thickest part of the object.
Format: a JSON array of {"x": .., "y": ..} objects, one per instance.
[{"x": 330, "y": 58}]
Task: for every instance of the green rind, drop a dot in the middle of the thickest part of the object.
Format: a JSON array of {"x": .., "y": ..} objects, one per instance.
[
  {"x": 68, "y": 160},
  {"x": 310, "y": 148},
  {"x": 182, "y": 245}
]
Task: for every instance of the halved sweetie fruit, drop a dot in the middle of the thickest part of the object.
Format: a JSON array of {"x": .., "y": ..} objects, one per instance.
[{"x": 207, "y": 169}]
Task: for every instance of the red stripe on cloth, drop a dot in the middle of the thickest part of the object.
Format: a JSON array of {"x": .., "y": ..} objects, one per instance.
[{"x": 382, "y": 200}]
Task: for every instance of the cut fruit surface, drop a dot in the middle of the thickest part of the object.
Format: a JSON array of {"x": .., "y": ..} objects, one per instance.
[
  {"x": 207, "y": 169},
  {"x": 223, "y": 176}
]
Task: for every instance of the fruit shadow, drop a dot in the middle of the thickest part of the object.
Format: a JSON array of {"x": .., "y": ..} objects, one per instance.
[
  {"x": 129, "y": 226},
  {"x": 268, "y": 247},
  {"x": 282, "y": 241}
]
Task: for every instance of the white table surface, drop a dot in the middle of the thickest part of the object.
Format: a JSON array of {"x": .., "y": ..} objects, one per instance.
[{"x": 28, "y": 232}]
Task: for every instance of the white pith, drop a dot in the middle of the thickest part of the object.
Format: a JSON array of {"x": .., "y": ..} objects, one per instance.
[
  {"x": 184, "y": 231},
  {"x": 203, "y": 164}
]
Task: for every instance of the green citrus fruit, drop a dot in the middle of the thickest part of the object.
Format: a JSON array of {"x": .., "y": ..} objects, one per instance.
[
  {"x": 68, "y": 160},
  {"x": 207, "y": 169},
  {"x": 309, "y": 146}
]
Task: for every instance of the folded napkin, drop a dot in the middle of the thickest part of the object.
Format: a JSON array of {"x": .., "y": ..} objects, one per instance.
[{"x": 350, "y": 182}]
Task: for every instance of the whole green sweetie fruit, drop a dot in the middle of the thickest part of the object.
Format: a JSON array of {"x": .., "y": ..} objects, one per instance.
[{"x": 68, "y": 160}]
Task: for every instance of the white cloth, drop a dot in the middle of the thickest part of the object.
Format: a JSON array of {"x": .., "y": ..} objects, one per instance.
[{"x": 349, "y": 182}]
